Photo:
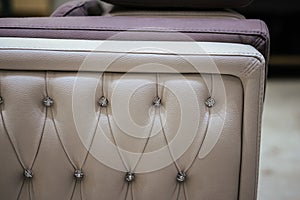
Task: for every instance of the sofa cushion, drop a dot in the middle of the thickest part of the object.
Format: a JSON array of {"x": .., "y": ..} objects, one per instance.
[
  {"x": 244, "y": 31},
  {"x": 210, "y": 143}
]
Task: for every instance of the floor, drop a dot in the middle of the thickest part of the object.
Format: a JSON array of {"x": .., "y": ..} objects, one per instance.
[{"x": 280, "y": 150}]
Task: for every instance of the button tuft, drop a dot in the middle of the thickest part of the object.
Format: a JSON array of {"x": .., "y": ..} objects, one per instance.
[
  {"x": 181, "y": 177},
  {"x": 78, "y": 174},
  {"x": 130, "y": 176},
  {"x": 28, "y": 174},
  {"x": 48, "y": 102},
  {"x": 103, "y": 101},
  {"x": 210, "y": 102},
  {"x": 157, "y": 101}
]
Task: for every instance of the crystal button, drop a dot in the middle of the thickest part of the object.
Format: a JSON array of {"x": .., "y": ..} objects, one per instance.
[
  {"x": 28, "y": 174},
  {"x": 210, "y": 102},
  {"x": 157, "y": 101},
  {"x": 78, "y": 174},
  {"x": 181, "y": 177},
  {"x": 103, "y": 101},
  {"x": 129, "y": 177},
  {"x": 48, "y": 102}
]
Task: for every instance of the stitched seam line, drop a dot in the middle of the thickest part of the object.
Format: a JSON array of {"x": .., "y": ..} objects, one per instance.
[
  {"x": 95, "y": 51},
  {"x": 107, "y": 28},
  {"x": 250, "y": 68}
]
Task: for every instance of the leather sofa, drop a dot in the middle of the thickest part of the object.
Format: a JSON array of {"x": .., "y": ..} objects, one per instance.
[{"x": 161, "y": 103}]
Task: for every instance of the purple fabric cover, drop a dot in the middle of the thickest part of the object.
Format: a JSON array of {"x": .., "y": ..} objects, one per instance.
[
  {"x": 244, "y": 31},
  {"x": 79, "y": 8},
  {"x": 193, "y": 4}
]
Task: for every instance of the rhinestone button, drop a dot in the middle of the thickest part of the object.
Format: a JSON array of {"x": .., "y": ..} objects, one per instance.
[
  {"x": 78, "y": 174},
  {"x": 28, "y": 174},
  {"x": 1, "y": 100},
  {"x": 181, "y": 177},
  {"x": 103, "y": 101},
  {"x": 48, "y": 102},
  {"x": 129, "y": 177},
  {"x": 157, "y": 101},
  {"x": 210, "y": 102}
]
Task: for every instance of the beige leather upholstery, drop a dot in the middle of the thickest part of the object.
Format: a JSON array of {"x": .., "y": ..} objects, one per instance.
[{"x": 216, "y": 147}]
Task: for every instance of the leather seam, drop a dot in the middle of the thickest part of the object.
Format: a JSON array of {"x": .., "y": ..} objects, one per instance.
[
  {"x": 258, "y": 140},
  {"x": 251, "y": 69},
  {"x": 156, "y": 29},
  {"x": 246, "y": 70},
  {"x": 257, "y": 55}
]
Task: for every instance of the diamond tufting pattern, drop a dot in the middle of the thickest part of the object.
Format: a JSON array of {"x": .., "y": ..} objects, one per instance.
[{"x": 76, "y": 134}]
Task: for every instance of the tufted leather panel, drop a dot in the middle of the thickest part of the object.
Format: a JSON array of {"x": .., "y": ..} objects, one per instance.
[
  {"x": 217, "y": 146},
  {"x": 47, "y": 140}
]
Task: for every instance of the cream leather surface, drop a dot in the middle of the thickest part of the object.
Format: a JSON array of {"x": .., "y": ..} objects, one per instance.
[{"x": 216, "y": 147}]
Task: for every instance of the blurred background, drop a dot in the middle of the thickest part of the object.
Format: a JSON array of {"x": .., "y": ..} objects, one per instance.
[{"x": 280, "y": 150}]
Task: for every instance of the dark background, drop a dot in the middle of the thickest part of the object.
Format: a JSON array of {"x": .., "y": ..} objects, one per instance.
[{"x": 283, "y": 20}]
